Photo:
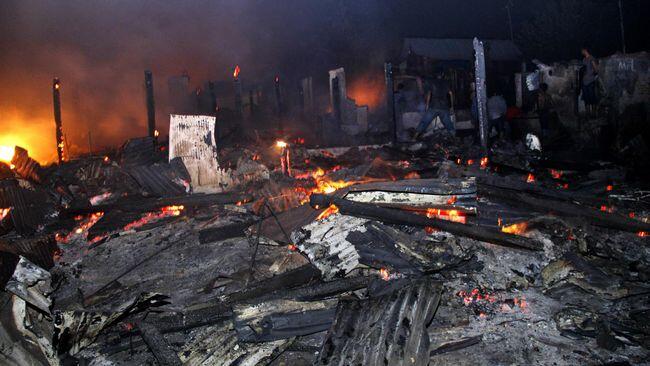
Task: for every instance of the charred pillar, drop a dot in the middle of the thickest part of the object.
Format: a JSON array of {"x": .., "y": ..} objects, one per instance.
[
  {"x": 214, "y": 108},
  {"x": 390, "y": 99},
  {"x": 151, "y": 109},
  {"x": 56, "y": 93},
  {"x": 251, "y": 102},
  {"x": 278, "y": 103},
  {"x": 336, "y": 100},
  {"x": 238, "y": 97},
  {"x": 481, "y": 93}
]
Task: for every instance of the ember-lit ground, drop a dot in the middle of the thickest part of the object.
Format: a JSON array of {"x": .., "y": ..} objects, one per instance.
[{"x": 582, "y": 299}]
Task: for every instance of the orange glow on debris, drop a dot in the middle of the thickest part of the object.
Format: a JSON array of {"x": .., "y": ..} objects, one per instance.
[
  {"x": 235, "y": 73},
  {"x": 517, "y": 229},
  {"x": 281, "y": 144},
  {"x": 82, "y": 228},
  {"x": 530, "y": 178},
  {"x": 643, "y": 234}
]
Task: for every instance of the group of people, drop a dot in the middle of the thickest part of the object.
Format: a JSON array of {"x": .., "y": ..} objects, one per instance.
[{"x": 438, "y": 100}]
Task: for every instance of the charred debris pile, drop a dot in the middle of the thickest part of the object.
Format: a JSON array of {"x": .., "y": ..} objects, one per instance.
[{"x": 281, "y": 254}]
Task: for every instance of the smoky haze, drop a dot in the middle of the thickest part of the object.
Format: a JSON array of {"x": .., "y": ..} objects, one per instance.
[{"x": 99, "y": 50}]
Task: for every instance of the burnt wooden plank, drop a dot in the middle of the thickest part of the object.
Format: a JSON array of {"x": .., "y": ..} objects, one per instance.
[
  {"x": 158, "y": 345},
  {"x": 220, "y": 233},
  {"x": 593, "y": 216},
  {"x": 405, "y": 218}
]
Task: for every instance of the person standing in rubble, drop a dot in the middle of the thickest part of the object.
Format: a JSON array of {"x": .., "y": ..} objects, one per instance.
[
  {"x": 438, "y": 95},
  {"x": 589, "y": 79},
  {"x": 497, "y": 108}
]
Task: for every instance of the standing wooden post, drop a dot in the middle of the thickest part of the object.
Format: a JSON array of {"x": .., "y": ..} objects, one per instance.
[
  {"x": 56, "y": 94},
  {"x": 278, "y": 102},
  {"x": 238, "y": 97},
  {"x": 390, "y": 99},
  {"x": 151, "y": 109},
  {"x": 481, "y": 94}
]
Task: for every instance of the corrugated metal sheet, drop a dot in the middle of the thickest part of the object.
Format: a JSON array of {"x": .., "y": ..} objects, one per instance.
[
  {"x": 138, "y": 151},
  {"x": 27, "y": 208},
  {"x": 192, "y": 139},
  {"x": 453, "y": 49},
  {"x": 388, "y": 330},
  {"x": 156, "y": 179}
]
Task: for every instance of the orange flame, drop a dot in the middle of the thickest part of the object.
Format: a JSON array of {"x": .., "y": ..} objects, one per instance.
[
  {"x": 167, "y": 211},
  {"x": 517, "y": 229},
  {"x": 530, "y": 178},
  {"x": 4, "y": 212},
  {"x": 281, "y": 144},
  {"x": 484, "y": 162},
  {"x": 328, "y": 212},
  {"x": 449, "y": 215},
  {"x": 235, "y": 74},
  {"x": 384, "y": 273},
  {"x": 643, "y": 234}
]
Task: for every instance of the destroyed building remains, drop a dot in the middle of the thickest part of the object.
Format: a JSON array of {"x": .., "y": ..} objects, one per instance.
[{"x": 293, "y": 220}]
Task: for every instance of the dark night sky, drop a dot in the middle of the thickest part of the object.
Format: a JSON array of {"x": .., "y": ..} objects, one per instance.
[{"x": 100, "y": 48}]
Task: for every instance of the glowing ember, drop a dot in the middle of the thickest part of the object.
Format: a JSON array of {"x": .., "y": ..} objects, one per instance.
[
  {"x": 167, "y": 211},
  {"x": 156, "y": 133},
  {"x": 458, "y": 161},
  {"x": 484, "y": 162},
  {"x": 4, "y": 212},
  {"x": 604, "y": 208},
  {"x": 95, "y": 200},
  {"x": 609, "y": 188},
  {"x": 475, "y": 296},
  {"x": 412, "y": 175},
  {"x": 281, "y": 144},
  {"x": 82, "y": 228},
  {"x": 518, "y": 228},
  {"x": 449, "y": 215},
  {"x": 7, "y": 153},
  {"x": 557, "y": 174},
  {"x": 452, "y": 200},
  {"x": 530, "y": 178},
  {"x": 328, "y": 211},
  {"x": 470, "y": 162},
  {"x": 643, "y": 234},
  {"x": 385, "y": 274},
  {"x": 292, "y": 247},
  {"x": 631, "y": 214},
  {"x": 235, "y": 73},
  {"x": 106, "y": 159}
]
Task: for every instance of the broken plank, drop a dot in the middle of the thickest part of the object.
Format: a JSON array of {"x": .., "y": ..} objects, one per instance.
[
  {"x": 387, "y": 215},
  {"x": 158, "y": 345},
  {"x": 214, "y": 234},
  {"x": 593, "y": 216}
]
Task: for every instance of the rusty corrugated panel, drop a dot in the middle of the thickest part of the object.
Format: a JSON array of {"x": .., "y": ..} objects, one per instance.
[
  {"x": 25, "y": 166},
  {"x": 156, "y": 179},
  {"x": 387, "y": 330},
  {"x": 26, "y": 206}
]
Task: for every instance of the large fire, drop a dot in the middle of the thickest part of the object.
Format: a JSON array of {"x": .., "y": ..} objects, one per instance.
[{"x": 6, "y": 153}]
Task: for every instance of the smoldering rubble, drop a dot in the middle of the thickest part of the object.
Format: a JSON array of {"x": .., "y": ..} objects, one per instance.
[{"x": 375, "y": 255}]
